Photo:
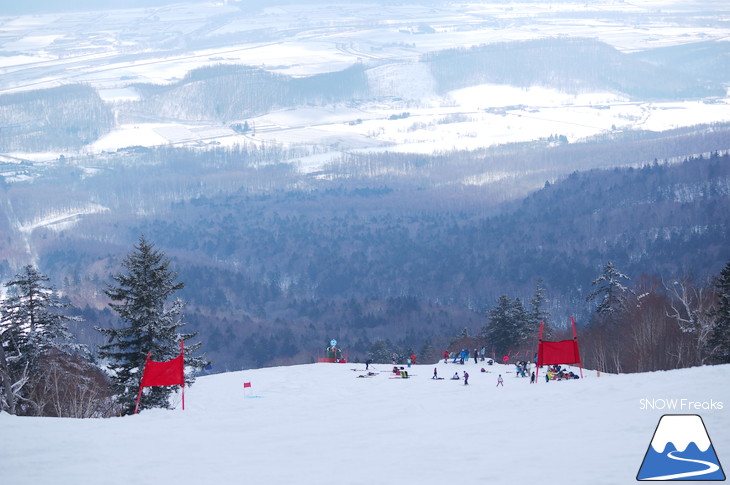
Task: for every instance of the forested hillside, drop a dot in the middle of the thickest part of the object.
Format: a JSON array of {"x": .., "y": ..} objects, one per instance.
[
  {"x": 571, "y": 64},
  {"x": 703, "y": 60},
  {"x": 65, "y": 117},
  {"x": 276, "y": 263},
  {"x": 229, "y": 93}
]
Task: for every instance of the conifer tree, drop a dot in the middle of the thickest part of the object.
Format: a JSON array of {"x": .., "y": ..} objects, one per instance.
[
  {"x": 508, "y": 324},
  {"x": 610, "y": 289},
  {"x": 32, "y": 325},
  {"x": 537, "y": 313},
  {"x": 380, "y": 351},
  {"x": 719, "y": 341},
  {"x": 143, "y": 298}
]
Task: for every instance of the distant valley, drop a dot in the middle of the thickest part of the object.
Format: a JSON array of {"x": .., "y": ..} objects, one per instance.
[{"x": 321, "y": 172}]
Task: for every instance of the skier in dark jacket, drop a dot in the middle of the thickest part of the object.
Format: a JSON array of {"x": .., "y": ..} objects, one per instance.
[{"x": 466, "y": 378}]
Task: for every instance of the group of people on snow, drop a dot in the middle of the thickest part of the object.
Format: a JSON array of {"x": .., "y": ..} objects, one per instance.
[
  {"x": 456, "y": 377},
  {"x": 522, "y": 368},
  {"x": 400, "y": 372},
  {"x": 409, "y": 360},
  {"x": 463, "y": 356},
  {"x": 556, "y": 372}
]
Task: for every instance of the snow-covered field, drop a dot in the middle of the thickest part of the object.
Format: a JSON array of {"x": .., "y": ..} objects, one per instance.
[
  {"x": 113, "y": 50},
  {"x": 320, "y": 423}
]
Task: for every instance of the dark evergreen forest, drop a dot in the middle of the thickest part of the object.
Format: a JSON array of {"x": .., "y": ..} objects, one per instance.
[{"x": 276, "y": 263}]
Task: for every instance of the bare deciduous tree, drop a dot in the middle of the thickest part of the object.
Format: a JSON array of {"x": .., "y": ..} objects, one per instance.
[{"x": 691, "y": 307}]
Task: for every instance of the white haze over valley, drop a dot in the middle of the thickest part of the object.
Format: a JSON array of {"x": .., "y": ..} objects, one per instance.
[{"x": 113, "y": 50}]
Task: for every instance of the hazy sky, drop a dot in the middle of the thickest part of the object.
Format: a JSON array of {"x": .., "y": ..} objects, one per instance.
[{"x": 47, "y": 6}]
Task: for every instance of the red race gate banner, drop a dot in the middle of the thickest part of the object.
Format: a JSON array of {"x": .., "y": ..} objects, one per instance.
[
  {"x": 562, "y": 352},
  {"x": 168, "y": 373}
]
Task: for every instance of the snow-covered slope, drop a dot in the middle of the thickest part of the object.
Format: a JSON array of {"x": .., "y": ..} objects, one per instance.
[{"x": 320, "y": 423}]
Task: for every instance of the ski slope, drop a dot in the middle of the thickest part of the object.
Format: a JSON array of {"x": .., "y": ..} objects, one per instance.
[{"x": 320, "y": 423}]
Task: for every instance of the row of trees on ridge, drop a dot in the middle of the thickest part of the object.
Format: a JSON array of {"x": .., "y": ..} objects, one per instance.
[
  {"x": 45, "y": 372},
  {"x": 647, "y": 326}
]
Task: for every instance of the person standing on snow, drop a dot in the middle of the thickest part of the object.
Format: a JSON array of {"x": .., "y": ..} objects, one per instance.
[
  {"x": 476, "y": 355},
  {"x": 500, "y": 381},
  {"x": 446, "y": 356},
  {"x": 466, "y": 378}
]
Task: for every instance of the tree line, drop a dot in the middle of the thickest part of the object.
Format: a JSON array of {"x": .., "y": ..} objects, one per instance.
[
  {"x": 63, "y": 117},
  {"x": 635, "y": 327},
  {"x": 656, "y": 324},
  {"x": 271, "y": 254},
  {"x": 567, "y": 64},
  {"x": 44, "y": 371}
]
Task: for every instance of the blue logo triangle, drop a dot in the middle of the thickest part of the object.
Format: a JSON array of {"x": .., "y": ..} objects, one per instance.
[{"x": 681, "y": 450}]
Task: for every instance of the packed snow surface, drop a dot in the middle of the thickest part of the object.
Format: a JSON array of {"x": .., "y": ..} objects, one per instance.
[{"x": 321, "y": 423}]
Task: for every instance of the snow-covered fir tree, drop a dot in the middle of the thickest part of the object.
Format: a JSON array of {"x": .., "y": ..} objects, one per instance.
[
  {"x": 32, "y": 326},
  {"x": 508, "y": 324},
  {"x": 610, "y": 291},
  {"x": 719, "y": 341},
  {"x": 144, "y": 299},
  {"x": 537, "y": 312}
]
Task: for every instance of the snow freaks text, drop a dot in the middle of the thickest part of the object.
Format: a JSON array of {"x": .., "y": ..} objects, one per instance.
[{"x": 676, "y": 404}]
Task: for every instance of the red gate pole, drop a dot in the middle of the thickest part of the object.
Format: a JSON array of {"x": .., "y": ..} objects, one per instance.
[
  {"x": 575, "y": 343},
  {"x": 539, "y": 351},
  {"x": 182, "y": 353},
  {"x": 139, "y": 394}
]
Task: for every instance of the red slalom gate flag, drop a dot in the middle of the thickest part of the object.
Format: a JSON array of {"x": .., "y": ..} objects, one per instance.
[
  {"x": 246, "y": 384},
  {"x": 168, "y": 373}
]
